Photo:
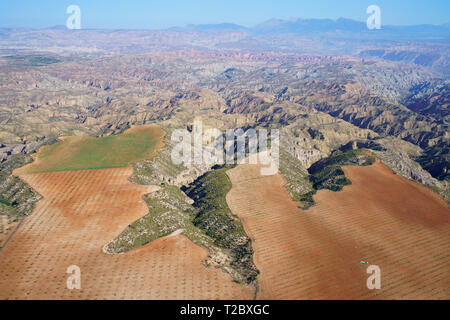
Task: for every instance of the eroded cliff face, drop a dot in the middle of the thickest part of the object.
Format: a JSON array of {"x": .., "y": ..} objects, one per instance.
[{"x": 320, "y": 102}]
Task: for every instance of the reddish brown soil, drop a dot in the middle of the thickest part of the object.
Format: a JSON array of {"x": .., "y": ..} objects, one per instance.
[
  {"x": 80, "y": 213},
  {"x": 381, "y": 219}
]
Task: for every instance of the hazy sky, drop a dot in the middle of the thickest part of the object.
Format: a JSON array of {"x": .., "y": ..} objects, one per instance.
[{"x": 153, "y": 14}]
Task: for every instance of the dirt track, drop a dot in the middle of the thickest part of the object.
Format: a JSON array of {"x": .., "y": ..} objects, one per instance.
[
  {"x": 81, "y": 212},
  {"x": 381, "y": 219},
  {"x": 6, "y": 229}
]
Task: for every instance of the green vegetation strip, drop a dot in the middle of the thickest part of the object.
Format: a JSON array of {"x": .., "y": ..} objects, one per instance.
[
  {"x": 328, "y": 174},
  {"x": 208, "y": 222},
  {"x": 33, "y": 60},
  {"x": 17, "y": 199},
  {"x": 169, "y": 211},
  {"x": 7, "y": 203},
  {"x": 215, "y": 218},
  {"x": 436, "y": 160},
  {"x": 298, "y": 184}
]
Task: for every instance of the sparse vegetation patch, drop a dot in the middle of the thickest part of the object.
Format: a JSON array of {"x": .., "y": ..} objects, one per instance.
[
  {"x": 201, "y": 212},
  {"x": 215, "y": 218},
  {"x": 328, "y": 174}
]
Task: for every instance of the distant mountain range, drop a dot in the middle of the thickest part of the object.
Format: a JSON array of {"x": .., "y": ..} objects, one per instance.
[
  {"x": 337, "y": 28},
  {"x": 211, "y": 27}
]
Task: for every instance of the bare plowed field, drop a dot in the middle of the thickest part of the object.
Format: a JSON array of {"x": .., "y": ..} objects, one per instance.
[
  {"x": 80, "y": 213},
  {"x": 381, "y": 219}
]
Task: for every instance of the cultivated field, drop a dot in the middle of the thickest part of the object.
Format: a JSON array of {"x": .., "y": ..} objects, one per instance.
[
  {"x": 381, "y": 219},
  {"x": 80, "y": 213},
  {"x": 81, "y": 153}
]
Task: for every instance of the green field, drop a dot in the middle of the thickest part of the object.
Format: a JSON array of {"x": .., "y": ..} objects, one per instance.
[
  {"x": 83, "y": 153},
  {"x": 32, "y": 60}
]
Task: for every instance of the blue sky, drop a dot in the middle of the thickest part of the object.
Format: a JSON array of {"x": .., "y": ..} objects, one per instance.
[{"x": 154, "y": 14}]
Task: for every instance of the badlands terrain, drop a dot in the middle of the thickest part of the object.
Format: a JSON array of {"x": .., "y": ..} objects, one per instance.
[{"x": 87, "y": 179}]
